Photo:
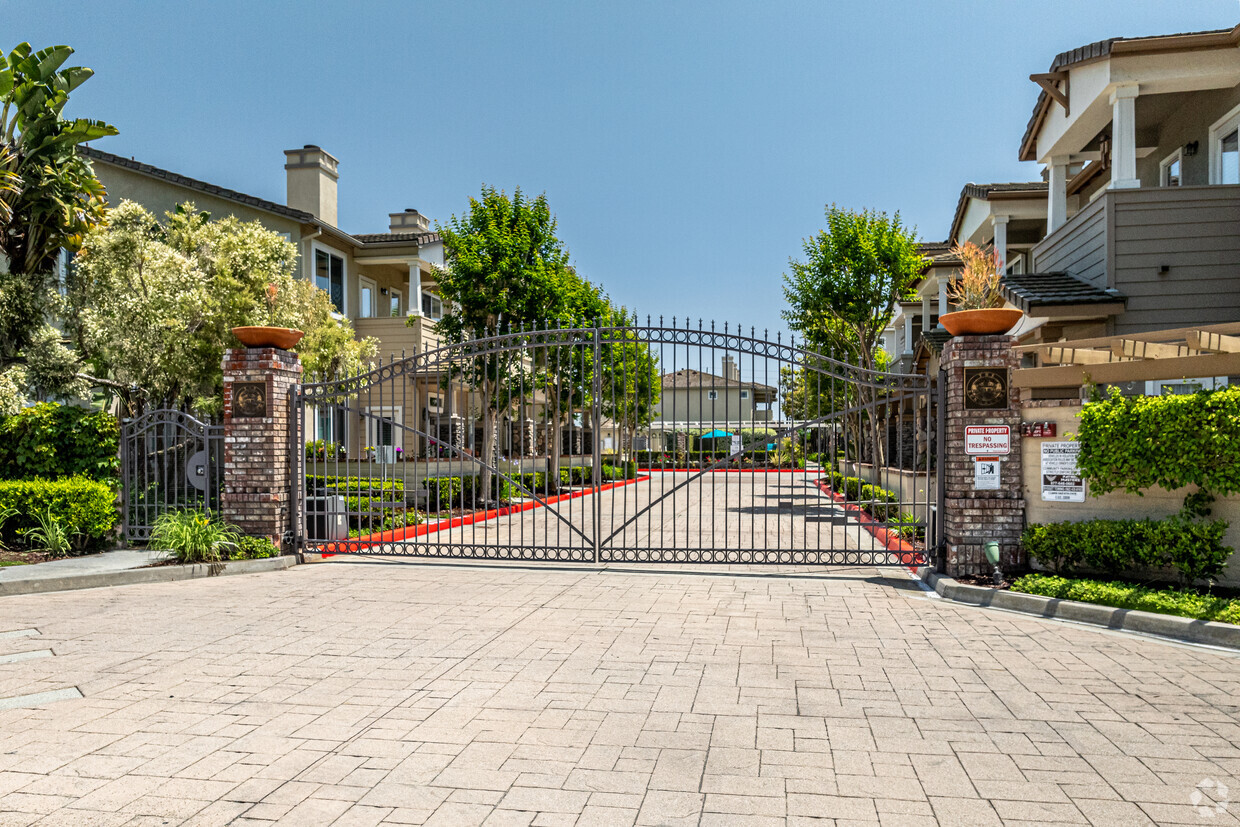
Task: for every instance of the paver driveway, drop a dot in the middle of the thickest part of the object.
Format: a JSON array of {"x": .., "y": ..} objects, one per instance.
[{"x": 377, "y": 692}]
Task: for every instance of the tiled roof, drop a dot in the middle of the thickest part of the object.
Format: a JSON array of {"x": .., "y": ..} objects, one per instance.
[
  {"x": 1029, "y": 291},
  {"x": 1035, "y": 189},
  {"x": 1096, "y": 51},
  {"x": 415, "y": 238},
  {"x": 935, "y": 339},
  {"x": 689, "y": 378},
  {"x": 195, "y": 184}
]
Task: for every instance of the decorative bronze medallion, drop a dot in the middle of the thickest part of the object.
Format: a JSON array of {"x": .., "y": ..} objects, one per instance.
[
  {"x": 985, "y": 389},
  {"x": 249, "y": 399}
]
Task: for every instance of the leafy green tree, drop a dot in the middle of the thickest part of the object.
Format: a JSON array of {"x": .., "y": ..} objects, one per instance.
[
  {"x": 49, "y": 199},
  {"x": 845, "y": 291},
  {"x": 152, "y": 306},
  {"x": 630, "y": 385},
  {"x": 505, "y": 272}
]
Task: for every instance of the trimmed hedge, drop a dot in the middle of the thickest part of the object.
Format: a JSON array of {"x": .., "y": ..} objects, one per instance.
[
  {"x": 50, "y": 441},
  {"x": 1128, "y": 596},
  {"x": 1195, "y": 549},
  {"x": 879, "y": 503},
  {"x": 355, "y": 484},
  {"x": 85, "y": 507},
  {"x": 1138, "y": 442}
]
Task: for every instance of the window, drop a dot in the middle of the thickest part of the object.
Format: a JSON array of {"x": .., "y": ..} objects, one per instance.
[
  {"x": 1225, "y": 149},
  {"x": 1016, "y": 264},
  {"x": 432, "y": 307},
  {"x": 369, "y": 297},
  {"x": 712, "y": 395},
  {"x": 382, "y": 432},
  {"x": 394, "y": 303},
  {"x": 744, "y": 394},
  {"x": 329, "y": 424},
  {"x": 1169, "y": 170},
  {"x": 329, "y": 276}
]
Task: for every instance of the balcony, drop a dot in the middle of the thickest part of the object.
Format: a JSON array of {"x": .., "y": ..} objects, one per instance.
[
  {"x": 396, "y": 338},
  {"x": 1173, "y": 252}
]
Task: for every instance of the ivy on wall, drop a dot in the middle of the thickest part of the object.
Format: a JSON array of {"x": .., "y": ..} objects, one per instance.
[{"x": 1131, "y": 443}]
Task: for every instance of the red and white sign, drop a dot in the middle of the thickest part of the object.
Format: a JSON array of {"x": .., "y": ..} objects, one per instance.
[{"x": 988, "y": 440}]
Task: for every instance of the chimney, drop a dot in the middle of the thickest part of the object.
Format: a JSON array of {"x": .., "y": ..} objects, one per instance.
[
  {"x": 312, "y": 177},
  {"x": 730, "y": 371},
  {"x": 409, "y": 221}
]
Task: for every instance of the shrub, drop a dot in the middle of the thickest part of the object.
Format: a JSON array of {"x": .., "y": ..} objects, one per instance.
[
  {"x": 53, "y": 441},
  {"x": 444, "y": 493},
  {"x": 253, "y": 548},
  {"x": 85, "y": 508},
  {"x": 324, "y": 450},
  {"x": 192, "y": 536},
  {"x": 881, "y": 504},
  {"x": 1195, "y": 549},
  {"x": 1139, "y": 442},
  {"x": 1128, "y": 596},
  {"x": 354, "y": 484}
]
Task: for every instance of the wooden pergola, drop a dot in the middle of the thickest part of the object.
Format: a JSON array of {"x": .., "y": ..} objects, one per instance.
[{"x": 1181, "y": 353}]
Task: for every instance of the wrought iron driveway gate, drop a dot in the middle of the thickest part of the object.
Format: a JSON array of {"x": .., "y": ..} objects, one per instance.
[
  {"x": 656, "y": 443},
  {"x": 170, "y": 461}
]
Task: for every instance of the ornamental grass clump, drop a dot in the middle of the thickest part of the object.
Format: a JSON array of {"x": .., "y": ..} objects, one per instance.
[
  {"x": 193, "y": 537},
  {"x": 977, "y": 287}
]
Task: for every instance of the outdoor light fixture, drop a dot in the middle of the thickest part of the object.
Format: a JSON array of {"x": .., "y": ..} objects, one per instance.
[
  {"x": 1190, "y": 149},
  {"x": 992, "y": 556}
]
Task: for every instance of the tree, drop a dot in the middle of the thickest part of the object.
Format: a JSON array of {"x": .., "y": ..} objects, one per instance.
[
  {"x": 505, "y": 271},
  {"x": 151, "y": 306},
  {"x": 49, "y": 199},
  {"x": 845, "y": 292},
  {"x": 630, "y": 383}
]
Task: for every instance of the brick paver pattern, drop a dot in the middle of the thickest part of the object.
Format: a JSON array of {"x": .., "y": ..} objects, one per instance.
[{"x": 372, "y": 692}]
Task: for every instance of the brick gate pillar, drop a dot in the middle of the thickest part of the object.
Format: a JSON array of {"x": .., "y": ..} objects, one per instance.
[
  {"x": 978, "y": 507},
  {"x": 257, "y": 382}
]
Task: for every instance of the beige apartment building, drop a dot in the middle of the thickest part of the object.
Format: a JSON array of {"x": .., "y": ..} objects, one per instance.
[{"x": 384, "y": 283}]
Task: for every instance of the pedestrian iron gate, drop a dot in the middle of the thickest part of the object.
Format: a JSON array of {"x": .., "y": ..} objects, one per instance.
[
  {"x": 170, "y": 461},
  {"x": 625, "y": 444}
]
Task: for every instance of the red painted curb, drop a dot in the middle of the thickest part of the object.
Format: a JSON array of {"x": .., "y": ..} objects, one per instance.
[
  {"x": 357, "y": 544},
  {"x": 729, "y": 471},
  {"x": 891, "y": 540}
]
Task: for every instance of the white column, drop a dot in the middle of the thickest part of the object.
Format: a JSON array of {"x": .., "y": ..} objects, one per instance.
[
  {"x": 925, "y": 313},
  {"x": 1124, "y": 137},
  {"x": 1057, "y": 198},
  {"x": 942, "y": 297},
  {"x": 908, "y": 333},
  {"x": 1000, "y": 223},
  {"x": 415, "y": 287}
]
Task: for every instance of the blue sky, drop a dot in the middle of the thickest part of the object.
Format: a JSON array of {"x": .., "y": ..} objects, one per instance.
[{"x": 686, "y": 148}]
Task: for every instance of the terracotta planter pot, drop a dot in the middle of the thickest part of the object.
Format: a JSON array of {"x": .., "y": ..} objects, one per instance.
[
  {"x": 281, "y": 337},
  {"x": 980, "y": 322}
]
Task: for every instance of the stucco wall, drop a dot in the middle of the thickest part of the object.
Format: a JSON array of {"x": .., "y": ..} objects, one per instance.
[
  {"x": 160, "y": 197},
  {"x": 1155, "y": 503}
]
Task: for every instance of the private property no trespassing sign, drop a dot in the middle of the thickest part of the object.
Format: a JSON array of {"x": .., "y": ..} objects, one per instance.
[{"x": 988, "y": 440}]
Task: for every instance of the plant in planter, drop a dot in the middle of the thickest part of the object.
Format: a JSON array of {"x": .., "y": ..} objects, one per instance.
[
  {"x": 977, "y": 296},
  {"x": 269, "y": 335}
]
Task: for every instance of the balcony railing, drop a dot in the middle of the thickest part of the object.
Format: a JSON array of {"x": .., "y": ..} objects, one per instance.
[{"x": 1172, "y": 252}]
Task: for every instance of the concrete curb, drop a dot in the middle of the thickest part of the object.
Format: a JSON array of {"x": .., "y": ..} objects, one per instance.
[
  {"x": 158, "y": 574},
  {"x": 1127, "y": 620}
]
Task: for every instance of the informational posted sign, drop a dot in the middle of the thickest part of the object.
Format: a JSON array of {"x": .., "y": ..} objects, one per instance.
[
  {"x": 987, "y": 440},
  {"x": 736, "y": 444},
  {"x": 608, "y": 444},
  {"x": 1061, "y": 479},
  {"x": 986, "y": 474}
]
